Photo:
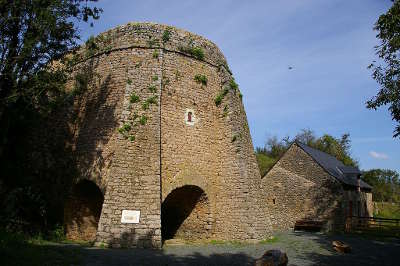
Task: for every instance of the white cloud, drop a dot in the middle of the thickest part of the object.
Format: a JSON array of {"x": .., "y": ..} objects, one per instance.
[{"x": 377, "y": 155}]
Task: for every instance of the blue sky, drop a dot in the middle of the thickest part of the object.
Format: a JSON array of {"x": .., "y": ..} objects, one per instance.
[{"x": 328, "y": 44}]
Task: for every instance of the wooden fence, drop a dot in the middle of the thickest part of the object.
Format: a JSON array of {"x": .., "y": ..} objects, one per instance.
[{"x": 381, "y": 226}]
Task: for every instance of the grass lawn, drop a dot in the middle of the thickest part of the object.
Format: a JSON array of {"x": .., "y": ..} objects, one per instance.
[{"x": 387, "y": 210}]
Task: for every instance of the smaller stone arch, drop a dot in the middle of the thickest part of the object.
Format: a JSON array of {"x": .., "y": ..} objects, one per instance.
[
  {"x": 186, "y": 214},
  {"x": 82, "y": 211}
]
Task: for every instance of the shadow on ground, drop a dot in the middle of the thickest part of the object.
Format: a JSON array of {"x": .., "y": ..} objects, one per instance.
[{"x": 301, "y": 248}]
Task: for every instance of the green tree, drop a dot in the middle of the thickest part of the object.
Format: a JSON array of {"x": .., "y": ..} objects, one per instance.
[
  {"x": 387, "y": 72},
  {"x": 385, "y": 184},
  {"x": 34, "y": 36},
  {"x": 34, "y": 33},
  {"x": 339, "y": 148}
]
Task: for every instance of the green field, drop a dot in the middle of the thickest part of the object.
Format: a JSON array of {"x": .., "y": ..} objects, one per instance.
[{"x": 387, "y": 210}]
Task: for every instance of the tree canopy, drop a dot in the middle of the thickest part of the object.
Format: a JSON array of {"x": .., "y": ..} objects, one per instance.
[
  {"x": 274, "y": 148},
  {"x": 34, "y": 36},
  {"x": 387, "y": 71}
]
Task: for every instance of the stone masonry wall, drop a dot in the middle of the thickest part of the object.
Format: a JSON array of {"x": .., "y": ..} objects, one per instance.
[
  {"x": 137, "y": 165},
  {"x": 297, "y": 187},
  {"x": 215, "y": 153},
  {"x": 361, "y": 201},
  {"x": 128, "y": 172}
]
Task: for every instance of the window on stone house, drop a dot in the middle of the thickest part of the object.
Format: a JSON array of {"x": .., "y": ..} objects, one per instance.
[{"x": 273, "y": 201}]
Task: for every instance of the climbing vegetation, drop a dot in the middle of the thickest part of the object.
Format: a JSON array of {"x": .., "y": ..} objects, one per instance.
[
  {"x": 201, "y": 79},
  {"x": 191, "y": 49},
  {"x": 133, "y": 98},
  {"x": 127, "y": 130}
]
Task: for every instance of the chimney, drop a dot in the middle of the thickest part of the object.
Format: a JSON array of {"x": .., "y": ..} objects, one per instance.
[{"x": 358, "y": 183}]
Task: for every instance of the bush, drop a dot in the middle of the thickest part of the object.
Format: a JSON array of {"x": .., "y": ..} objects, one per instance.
[
  {"x": 166, "y": 35},
  {"x": 143, "y": 120},
  {"x": 152, "y": 88},
  {"x": 220, "y": 96},
  {"x": 201, "y": 79},
  {"x": 134, "y": 98},
  {"x": 197, "y": 52},
  {"x": 57, "y": 234}
]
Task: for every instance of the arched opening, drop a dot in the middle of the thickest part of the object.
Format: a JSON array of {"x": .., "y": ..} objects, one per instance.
[
  {"x": 185, "y": 214},
  {"x": 82, "y": 211}
]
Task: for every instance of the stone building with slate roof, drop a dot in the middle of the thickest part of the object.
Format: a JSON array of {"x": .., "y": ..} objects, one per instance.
[{"x": 307, "y": 183}]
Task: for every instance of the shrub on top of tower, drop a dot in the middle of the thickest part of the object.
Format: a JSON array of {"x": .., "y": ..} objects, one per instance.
[
  {"x": 195, "y": 51},
  {"x": 166, "y": 35}
]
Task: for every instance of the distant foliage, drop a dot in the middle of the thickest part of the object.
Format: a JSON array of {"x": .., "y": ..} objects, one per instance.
[
  {"x": 385, "y": 184},
  {"x": 264, "y": 162},
  {"x": 275, "y": 148}
]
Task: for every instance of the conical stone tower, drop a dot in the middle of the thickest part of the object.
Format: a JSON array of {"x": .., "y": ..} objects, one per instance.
[{"x": 162, "y": 134}]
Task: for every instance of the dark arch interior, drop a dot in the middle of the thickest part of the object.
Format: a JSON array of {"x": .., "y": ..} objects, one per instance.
[
  {"x": 184, "y": 214},
  {"x": 82, "y": 211}
]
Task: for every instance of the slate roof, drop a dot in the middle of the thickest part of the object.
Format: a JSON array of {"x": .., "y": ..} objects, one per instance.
[{"x": 345, "y": 174}]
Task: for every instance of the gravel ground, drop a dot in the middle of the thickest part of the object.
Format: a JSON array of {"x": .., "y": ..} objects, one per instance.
[{"x": 301, "y": 248}]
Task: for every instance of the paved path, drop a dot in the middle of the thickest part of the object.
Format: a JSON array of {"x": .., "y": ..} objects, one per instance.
[{"x": 301, "y": 248}]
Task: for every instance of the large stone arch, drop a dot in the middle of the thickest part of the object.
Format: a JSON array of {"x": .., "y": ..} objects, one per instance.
[
  {"x": 82, "y": 211},
  {"x": 187, "y": 177},
  {"x": 186, "y": 214}
]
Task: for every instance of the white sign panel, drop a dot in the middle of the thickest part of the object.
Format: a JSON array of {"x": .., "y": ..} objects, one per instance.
[{"x": 130, "y": 217}]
